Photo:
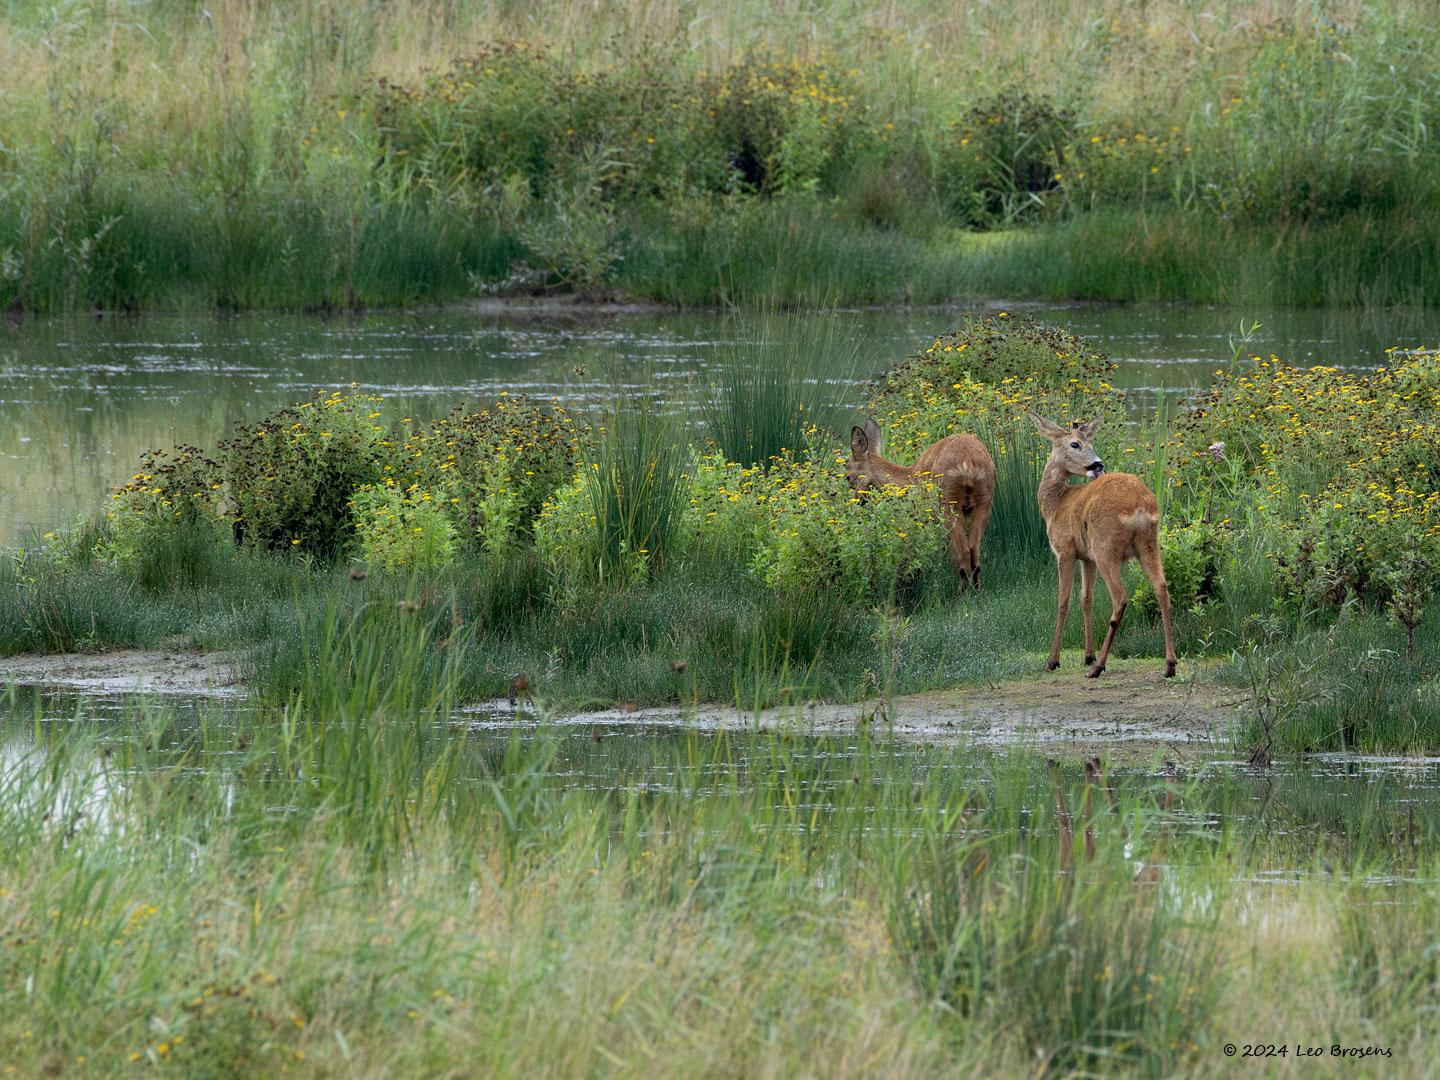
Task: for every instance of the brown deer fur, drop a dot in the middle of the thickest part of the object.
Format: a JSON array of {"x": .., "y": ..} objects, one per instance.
[
  {"x": 962, "y": 469},
  {"x": 1101, "y": 524}
]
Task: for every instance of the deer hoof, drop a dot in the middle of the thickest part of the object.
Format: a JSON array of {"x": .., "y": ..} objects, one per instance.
[
  {"x": 1169, "y": 669},
  {"x": 1051, "y": 665},
  {"x": 1095, "y": 672},
  {"x": 1089, "y": 658}
]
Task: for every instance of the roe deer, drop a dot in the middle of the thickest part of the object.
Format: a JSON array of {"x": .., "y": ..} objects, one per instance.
[
  {"x": 1102, "y": 524},
  {"x": 964, "y": 472}
]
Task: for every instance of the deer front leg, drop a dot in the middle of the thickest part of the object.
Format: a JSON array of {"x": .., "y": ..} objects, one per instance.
[
  {"x": 1087, "y": 596},
  {"x": 1119, "y": 600},
  {"x": 1066, "y": 565}
]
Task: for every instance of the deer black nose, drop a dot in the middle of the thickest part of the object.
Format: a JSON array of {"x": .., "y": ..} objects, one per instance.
[{"x": 1097, "y": 467}]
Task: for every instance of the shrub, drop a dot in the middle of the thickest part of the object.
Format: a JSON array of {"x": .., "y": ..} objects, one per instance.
[
  {"x": 1189, "y": 553},
  {"x": 402, "y": 530},
  {"x": 798, "y": 527},
  {"x": 290, "y": 477},
  {"x": 765, "y": 124},
  {"x": 999, "y": 161},
  {"x": 491, "y": 470},
  {"x": 163, "y": 524},
  {"x": 1342, "y": 469}
]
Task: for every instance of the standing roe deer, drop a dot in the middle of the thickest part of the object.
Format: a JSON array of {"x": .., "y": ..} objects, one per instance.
[
  {"x": 1103, "y": 524},
  {"x": 964, "y": 472}
]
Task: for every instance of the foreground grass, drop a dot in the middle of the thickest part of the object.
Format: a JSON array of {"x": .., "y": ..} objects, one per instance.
[{"x": 355, "y": 885}]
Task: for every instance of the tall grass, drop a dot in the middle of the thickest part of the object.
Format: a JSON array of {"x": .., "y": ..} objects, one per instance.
[
  {"x": 232, "y": 158},
  {"x": 778, "y": 378},
  {"x": 636, "y": 486},
  {"x": 299, "y": 892}
]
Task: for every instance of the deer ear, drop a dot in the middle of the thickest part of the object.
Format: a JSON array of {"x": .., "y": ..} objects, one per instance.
[
  {"x": 1089, "y": 430},
  {"x": 1045, "y": 427},
  {"x": 872, "y": 432},
  {"x": 859, "y": 442}
]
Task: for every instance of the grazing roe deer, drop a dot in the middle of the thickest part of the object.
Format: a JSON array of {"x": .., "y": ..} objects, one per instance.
[
  {"x": 962, "y": 469},
  {"x": 1102, "y": 524}
]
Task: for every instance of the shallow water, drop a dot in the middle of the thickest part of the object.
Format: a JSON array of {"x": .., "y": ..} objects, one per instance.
[
  {"x": 1332, "y": 806},
  {"x": 80, "y": 399}
]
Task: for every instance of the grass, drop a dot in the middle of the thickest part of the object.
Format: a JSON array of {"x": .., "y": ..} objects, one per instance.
[
  {"x": 352, "y": 884},
  {"x": 776, "y": 379},
  {"x": 1241, "y": 151}
]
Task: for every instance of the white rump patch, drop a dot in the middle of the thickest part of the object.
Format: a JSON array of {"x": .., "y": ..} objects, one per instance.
[
  {"x": 969, "y": 470},
  {"x": 1139, "y": 519}
]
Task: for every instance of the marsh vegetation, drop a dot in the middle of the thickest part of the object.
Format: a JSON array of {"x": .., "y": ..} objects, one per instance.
[{"x": 319, "y": 156}]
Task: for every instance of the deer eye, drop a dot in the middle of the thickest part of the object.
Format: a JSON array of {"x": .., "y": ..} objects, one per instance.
[{"x": 1074, "y": 446}]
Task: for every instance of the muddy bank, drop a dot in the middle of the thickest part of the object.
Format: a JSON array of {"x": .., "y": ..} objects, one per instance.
[
  {"x": 129, "y": 671},
  {"x": 1132, "y": 709}
]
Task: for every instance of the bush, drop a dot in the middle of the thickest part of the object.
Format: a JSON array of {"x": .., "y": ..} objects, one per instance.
[
  {"x": 766, "y": 124},
  {"x": 798, "y": 527},
  {"x": 1189, "y": 553},
  {"x": 290, "y": 477},
  {"x": 163, "y": 524},
  {"x": 408, "y": 530},
  {"x": 1001, "y": 159},
  {"x": 1341, "y": 469},
  {"x": 493, "y": 470}
]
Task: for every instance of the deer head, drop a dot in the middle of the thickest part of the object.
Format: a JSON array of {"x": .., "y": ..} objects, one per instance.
[
  {"x": 1071, "y": 448},
  {"x": 863, "y": 442}
]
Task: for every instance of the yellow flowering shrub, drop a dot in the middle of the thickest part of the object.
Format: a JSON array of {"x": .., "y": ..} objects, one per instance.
[
  {"x": 1343, "y": 467},
  {"x": 289, "y": 477},
  {"x": 402, "y": 530},
  {"x": 986, "y": 374},
  {"x": 797, "y": 525},
  {"x": 515, "y": 116},
  {"x": 490, "y": 470},
  {"x": 172, "y": 492}
]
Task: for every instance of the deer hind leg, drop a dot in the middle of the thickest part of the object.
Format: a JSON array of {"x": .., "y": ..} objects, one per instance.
[
  {"x": 1087, "y": 596},
  {"x": 1066, "y": 565},
  {"x": 1150, "y": 563},
  {"x": 979, "y": 518},
  {"x": 1119, "y": 600}
]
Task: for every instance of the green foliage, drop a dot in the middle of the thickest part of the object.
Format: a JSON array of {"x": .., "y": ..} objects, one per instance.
[
  {"x": 1189, "y": 554},
  {"x": 617, "y": 521},
  {"x": 765, "y": 124},
  {"x": 396, "y": 530},
  {"x": 1342, "y": 467},
  {"x": 289, "y": 478},
  {"x": 799, "y": 528},
  {"x": 163, "y": 523},
  {"x": 491, "y": 470},
  {"x": 1095, "y": 969},
  {"x": 999, "y": 163},
  {"x": 1165, "y": 157}
]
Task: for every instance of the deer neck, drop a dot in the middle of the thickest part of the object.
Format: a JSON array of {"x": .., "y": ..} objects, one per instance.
[
  {"x": 1054, "y": 489},
  {"x": 887, "y": 472}
]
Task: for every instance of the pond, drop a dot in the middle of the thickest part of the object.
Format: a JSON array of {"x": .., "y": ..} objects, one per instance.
[{"x": 80, "y": 399}]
